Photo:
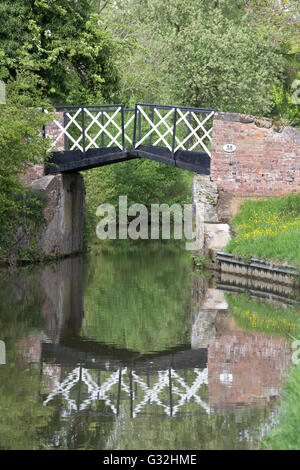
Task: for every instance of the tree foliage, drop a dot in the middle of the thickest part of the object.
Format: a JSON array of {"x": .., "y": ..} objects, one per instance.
[
  {"x": 63, "y": 44},
  {"x": 233, "y": 55},
  {"x": 21, "y": 146},
  {"x": 142, "y": 181},
  {"x": 227, "y": 54},
  {"x": 218, "y": 64},
  {"x": 53, "y": 50}
]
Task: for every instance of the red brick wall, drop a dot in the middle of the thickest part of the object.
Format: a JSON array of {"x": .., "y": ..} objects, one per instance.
[
  {"x": 267, "y": 157},
  {"x": 52, "y": 130},
  {"x": 33, "y": 173}
]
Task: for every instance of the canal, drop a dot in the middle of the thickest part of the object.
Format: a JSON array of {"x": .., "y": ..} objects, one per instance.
[{"x": 129, "y": 347}]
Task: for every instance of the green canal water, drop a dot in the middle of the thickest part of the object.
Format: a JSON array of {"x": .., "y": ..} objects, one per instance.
[{"x": 130, "y": 348}]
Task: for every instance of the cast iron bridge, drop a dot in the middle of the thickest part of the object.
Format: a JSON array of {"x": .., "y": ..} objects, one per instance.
[{"x": 91, "y": 136}]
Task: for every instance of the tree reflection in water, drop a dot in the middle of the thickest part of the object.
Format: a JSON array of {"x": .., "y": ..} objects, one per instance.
[{"x": 111, "y": 353}]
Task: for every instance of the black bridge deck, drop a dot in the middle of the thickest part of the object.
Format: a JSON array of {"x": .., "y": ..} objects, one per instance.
[{"x": 70, "y": 161}]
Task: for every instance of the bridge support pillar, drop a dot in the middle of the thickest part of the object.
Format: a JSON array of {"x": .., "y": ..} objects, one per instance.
[{"x": 62, "y": 234}]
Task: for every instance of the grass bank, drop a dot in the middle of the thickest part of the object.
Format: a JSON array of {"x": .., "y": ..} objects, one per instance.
[{"x": 268, "y": 229}]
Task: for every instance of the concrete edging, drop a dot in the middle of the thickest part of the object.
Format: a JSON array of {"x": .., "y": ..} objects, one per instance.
[{"x": 286, "y": 274}]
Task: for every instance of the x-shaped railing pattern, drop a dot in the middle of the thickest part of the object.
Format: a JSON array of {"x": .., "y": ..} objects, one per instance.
[
  {"x": 102, "y": 120},
  {"x": 105, "y": 391},
  {"x": 130, "y": 119},
  {"x": 193, "y": 131},
  {"x": 103, "y": 128},
  {"x": 181, "y": 116},
  {"x": 185, "y": 393},
  {"x": 86, "y": 127},
  {"x": 154, "y": 128},
  {"x": 63, "y": 131}
]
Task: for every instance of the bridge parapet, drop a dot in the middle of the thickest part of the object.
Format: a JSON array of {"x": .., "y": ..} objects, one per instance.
[{"x": 88, "y": 136}]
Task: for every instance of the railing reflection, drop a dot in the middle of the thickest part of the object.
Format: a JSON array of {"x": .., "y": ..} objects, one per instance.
[{"x": 168, "y": 391}]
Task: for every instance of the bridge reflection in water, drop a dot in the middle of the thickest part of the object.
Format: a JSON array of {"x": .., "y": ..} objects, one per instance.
[
  {"x": 221, "y": 368},
  {"x": 237, "y": 368},
  {"x": 166, "y": 382}
]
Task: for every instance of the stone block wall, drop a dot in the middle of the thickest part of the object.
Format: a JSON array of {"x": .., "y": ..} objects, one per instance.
[
  {"x": 213, "y": 234},
  {"x": 61, "y": 234},
  {"x": 64, "y": 213}
]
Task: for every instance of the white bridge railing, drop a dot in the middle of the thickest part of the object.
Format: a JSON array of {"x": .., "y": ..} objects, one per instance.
[{"x": 174, "y": 128}]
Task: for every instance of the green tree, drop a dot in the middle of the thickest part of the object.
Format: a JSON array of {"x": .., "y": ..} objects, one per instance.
[
  {"x": 21, "y": 145},
  {"x": 63, "y": 44},
  {"x": 282, "y": 18},
  {"x": 228, "y": 54},
  {"x": 280, "y": 15},
  {"x": 142, "y": 181},
  {"x": 216, "y": 63}
]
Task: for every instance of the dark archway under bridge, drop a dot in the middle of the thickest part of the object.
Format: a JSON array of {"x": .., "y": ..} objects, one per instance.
[{"x": 85, "y": 137}]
